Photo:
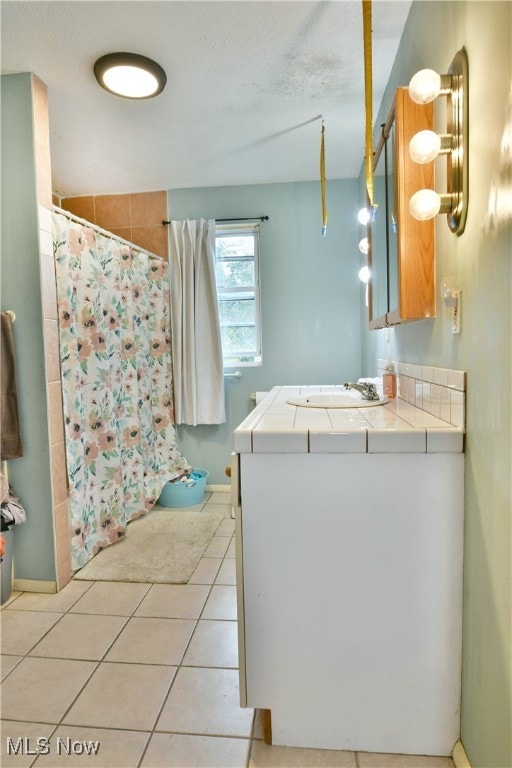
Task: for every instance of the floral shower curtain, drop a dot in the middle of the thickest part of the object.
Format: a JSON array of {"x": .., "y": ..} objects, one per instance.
[{"x": 114, "y": 327}]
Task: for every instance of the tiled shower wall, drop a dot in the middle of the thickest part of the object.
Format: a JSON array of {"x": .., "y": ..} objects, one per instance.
[
  {"x": 50, "y": 336},
  {"x": 134, "y": 217},
  {"x": 439, "y": 391}
]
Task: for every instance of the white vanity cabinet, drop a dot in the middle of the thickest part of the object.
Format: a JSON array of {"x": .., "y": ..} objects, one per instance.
[{"x": 349, "y": 576}]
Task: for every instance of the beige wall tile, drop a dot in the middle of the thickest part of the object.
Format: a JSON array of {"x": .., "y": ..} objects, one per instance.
[
  {"x": 124, "y": 232},
  {"x": 148, "y": 208},
  {"x": 55, "y": 415},
  {"x": 154, "y": 239},
  {"x": 51, "y": 344},
  {"x": 43, "y": 174},
  {"x": 64, "y": 573},
  {"x": 81, "y": 206},
  {"x": 48, "y": 287},
  {"x": 42, "y": 142},
  {"x": 62, "y": 532},
  {"x": 113, "y": 211},
  {"x": 59, "y": 473}
]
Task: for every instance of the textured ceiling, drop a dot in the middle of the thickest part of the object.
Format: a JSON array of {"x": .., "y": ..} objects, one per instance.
[{"x": 246, "y": 82}]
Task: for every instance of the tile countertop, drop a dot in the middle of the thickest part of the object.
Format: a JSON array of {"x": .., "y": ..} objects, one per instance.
[{"x": 275, "y": 426}]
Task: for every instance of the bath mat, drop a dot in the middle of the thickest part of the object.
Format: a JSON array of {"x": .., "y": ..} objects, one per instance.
[{"x": 163, "y": 547}]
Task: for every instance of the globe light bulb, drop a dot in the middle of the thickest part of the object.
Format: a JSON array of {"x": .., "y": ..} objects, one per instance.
[
  {"x": 130, "y": 81},
  {"x": 363, "y": 216},
  {"x": 363, "y": 246},
  {"x": 425, "y": 86},
  {"x": 424, "y": 204},
  {"x": 424, "y": 146},
  {"x": 364, "y": 274}
]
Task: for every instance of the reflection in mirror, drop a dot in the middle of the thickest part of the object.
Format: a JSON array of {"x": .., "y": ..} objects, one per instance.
[
  {"x": 392, "y": 218},
  {"x": 378, "y": 240},
  {"x": 380, "y": 229}
]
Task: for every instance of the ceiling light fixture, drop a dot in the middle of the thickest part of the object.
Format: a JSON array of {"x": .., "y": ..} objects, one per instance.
[
  {"x": 130, "y": 75},
  {"x": 425, "y": 146}
]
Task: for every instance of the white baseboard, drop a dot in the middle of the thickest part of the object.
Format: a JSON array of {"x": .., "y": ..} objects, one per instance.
[
  {"x": 218, "y": 488},
  {"x": 34, "y": 585},
  {"x": 459, "y": 756}
]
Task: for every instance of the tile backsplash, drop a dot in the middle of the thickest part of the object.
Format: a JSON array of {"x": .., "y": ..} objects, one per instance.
[{"x": 439, "y": 391}]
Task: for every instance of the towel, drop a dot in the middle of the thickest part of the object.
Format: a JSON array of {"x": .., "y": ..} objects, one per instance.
[{"x": 11, "y": 445}]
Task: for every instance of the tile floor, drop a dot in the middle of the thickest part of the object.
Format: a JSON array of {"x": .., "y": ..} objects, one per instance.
[{"x": 148, "y": 672}]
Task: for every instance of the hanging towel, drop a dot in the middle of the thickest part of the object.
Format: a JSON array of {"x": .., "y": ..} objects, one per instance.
[
  {"x": 11, "y": 445},
  {"x": 12, "y": 511}
]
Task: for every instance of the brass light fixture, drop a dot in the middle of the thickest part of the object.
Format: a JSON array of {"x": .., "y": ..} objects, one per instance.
[
  {"x": 425, "y": 146},
  {"x": 130, "y": 75}
]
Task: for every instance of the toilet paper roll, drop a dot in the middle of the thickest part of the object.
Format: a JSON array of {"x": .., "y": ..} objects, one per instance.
[{"x": 260, "y": 396}]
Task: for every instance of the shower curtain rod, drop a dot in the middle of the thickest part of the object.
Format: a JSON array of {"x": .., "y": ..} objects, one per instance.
[
  {"x": 105, "y": 232},
  {"x": 226, "y": 221}
]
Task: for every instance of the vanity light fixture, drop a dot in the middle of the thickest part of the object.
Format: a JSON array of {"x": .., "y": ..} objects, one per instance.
[
  {"x": 425, "y": 146},
  {"x": 363, "y": 246},
  {"x": 130, "y": 75}
]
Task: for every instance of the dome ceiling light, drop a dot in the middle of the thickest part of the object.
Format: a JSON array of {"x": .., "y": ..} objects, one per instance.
[{"x": 130, "y": 75}]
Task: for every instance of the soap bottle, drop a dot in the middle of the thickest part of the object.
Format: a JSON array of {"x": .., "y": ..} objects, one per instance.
[{"x": 389, "y": 381}]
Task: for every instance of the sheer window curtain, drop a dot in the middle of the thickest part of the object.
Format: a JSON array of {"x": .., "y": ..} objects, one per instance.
[{"x": 196, "y": 343}]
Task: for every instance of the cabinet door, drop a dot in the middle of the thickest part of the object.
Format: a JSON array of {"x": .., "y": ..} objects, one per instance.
[
  {"x": 401, "y": 249},
  {"x": 416, "y": 252}
]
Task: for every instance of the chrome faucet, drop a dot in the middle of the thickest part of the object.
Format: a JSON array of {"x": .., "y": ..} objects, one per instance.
[{"x": 367, "y": 389}]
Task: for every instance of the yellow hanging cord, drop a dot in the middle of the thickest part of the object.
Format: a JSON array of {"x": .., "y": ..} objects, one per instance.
[
  {"x": 368, "y": 96},
  {"x": 322, "y": 181}
]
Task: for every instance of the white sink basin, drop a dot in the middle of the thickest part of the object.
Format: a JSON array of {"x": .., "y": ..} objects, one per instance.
[{"x": 338, "y": 400}]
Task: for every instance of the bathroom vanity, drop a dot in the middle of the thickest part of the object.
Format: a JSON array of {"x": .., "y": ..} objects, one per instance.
[{"x": 349, "y": 534}]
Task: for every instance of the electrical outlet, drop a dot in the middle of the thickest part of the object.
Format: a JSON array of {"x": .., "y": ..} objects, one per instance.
[{"x": 456, "y": 312}]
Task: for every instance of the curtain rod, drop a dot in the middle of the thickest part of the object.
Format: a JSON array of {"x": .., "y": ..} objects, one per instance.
[
  {"x": 226, "y": 221},
  {"x": 104, "y": 232}
]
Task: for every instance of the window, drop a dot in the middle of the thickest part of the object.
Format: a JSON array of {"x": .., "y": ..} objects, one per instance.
[{"x": 238, "y": 293}]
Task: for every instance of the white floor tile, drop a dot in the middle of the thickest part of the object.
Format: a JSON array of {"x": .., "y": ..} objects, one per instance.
[
  {"x": 112, "y": 598},
  {"x": 15, "y": 753},
  {"x": 377, "y": 760},
  {"x": 206, "y": 571},
  {"x": 217, "y": 546},
  {"x": 41, "y": 690},
  {"x": 206, "y": 702},
  {"x": 7, "y": 663},
  {"x": 152, "y": 641},
  {"x": 172, "y": 750},
  {"x": 122, "y": 696},
  {"x": 99, "y": 747},
  {"x": 79, "y": 636},
  {"x": 58, "y": 601},
  {"x": 267, "y": 756},
  {"x": 227, "y": 572},
  {"x": 221, "y": 603},
  {"x": 213, "y": 644},
  {"x": 21, "y": 630},
  {"x": 174, "y": 601}
]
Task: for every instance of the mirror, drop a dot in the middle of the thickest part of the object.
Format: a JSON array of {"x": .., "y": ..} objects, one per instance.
[
  {"x": 392, "y": 218},
  {"x": 382, "y": 229},
  {"x": 377, "y": 238},
  {"x": 401, "y": 249}
]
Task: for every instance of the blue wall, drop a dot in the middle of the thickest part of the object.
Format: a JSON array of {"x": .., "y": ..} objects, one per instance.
[
  {"x": 310, "y": 296},
  {"x": 480, "y": 259},
  {"x": 21, "y": 292}
]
